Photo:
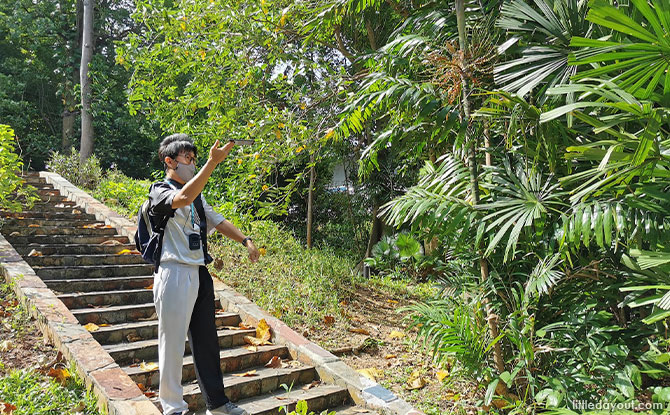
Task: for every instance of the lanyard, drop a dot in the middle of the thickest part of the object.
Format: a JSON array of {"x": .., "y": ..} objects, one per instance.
[{"x": 192, "y": 217}]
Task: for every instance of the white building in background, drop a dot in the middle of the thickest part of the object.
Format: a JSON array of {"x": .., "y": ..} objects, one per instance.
[{"x": 338, "y": 182}]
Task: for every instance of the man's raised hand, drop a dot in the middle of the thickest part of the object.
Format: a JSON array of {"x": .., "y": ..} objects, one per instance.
[{"x": 218, "y": 154}]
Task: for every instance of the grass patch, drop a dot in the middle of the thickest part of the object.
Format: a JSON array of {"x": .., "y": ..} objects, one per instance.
[
  {"x": 297, "y": 285},
  {"x": 35, "y": 394}
]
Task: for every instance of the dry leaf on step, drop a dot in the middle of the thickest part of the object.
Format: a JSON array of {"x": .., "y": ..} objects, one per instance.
[
  {"x": 150, "y": 394},
  {"x": 359, "y": 331},
  {"x": 35, "y": 252},
  {"x": 132, "y": 337},
  {"x": 149, "y": 366},
  {"x": 390, "y": 356},
  {"x": 140, "y": 385},
  {"x": 150, "y": 287},
  {"x": 328, "y": 320},
  {"x": 15, "y": 233},
  {"x": 274, "y": 363},
  {"x": 91, "y": 327},
  {"x": 311, "y": 385},
  {"x": 245, "y": 374},
  {"x": 251, "y": 348},
  {"x": 111, "y": 242}
]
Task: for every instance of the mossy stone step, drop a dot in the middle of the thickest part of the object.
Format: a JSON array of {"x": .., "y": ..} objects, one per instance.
[
  {"x": 106, "y": 298},
  {"x": 84, "y": 260},
  {"x": 235, "y": 359},
  {"x": 74, "y": 249},
  {"x": 264, "y": 381},
  {"x": 56, "y": 230},
  {"x": 18, "y": 240},
  {"x": 92, "y": 271},
  {"x": 99, "y": 284},
  {"x": 147, "y": 350},
  {"x": 144, "y": 330},
  {"x": 43, "y": 222}
]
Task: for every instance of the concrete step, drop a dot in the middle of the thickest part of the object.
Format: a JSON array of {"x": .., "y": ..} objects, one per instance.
[
  {"x": 264, "y": 382},
  {"x": 81, "y": 260},
  {"x": 42, "y": 222},
  {"x": 34, "y": 180},
  {"x": 99, "y": 284},
  {"x": 93, "y": 271},
  {"x": 115, "y": 314},
  {"x": 56, "y": 231},
  {"x": 144, "y": 330},
  {"x": 120, "y": 314},
  {"x": 19, "y": 240},
  {"x": 234, "y": 359},
  {"x": 319, "y": 398},
  {"x": 73, "y": 249},
  {"x": 41, "y": 214},
  {"x": 107, "y": 298},
  {"x": 147, "y": 350},
  {"x": 54, "y": 205},
  {"x": 51, "y": 196}
]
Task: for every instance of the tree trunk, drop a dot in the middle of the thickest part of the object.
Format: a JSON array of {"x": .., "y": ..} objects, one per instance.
[
  {"x": 474, "y": 182},
  {"x": 310, "y": 200},
  {"x": 375, "y": 235},
  {"x": 69, "y": 96},
  {"x": 86, "y": 149}
]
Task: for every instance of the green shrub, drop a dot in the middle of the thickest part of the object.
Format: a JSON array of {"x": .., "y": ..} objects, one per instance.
[
  {"x": 86, "y": 175},
  {"x": 122, "y": 193},
  {"x": 12, "y": 194}
]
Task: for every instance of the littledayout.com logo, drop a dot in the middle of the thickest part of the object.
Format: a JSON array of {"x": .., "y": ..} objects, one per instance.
[{"x": 616, "y": 406}]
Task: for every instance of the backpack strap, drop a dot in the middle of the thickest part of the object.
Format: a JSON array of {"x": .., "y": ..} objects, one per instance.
[{"x": 161, "y": 232}]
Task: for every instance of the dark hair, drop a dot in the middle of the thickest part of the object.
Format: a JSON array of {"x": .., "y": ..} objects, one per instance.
[{"x": 174, "y": 144}]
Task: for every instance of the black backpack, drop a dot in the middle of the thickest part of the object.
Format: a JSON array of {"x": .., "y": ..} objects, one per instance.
[{"x": 149, "y": 234}]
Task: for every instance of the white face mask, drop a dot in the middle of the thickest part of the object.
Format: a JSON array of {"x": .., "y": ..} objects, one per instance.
[{"x": 185, "y": 171}]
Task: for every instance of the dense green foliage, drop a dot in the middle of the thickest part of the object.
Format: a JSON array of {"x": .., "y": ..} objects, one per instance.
[
  {"x": 13, "y": 195},
  {"x": 513, "y": 152}
]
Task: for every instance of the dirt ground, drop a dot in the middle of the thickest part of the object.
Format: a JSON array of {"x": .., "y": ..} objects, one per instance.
[
  {"x": 22, "y": 345},
  {"x": 374, "y": 339}
]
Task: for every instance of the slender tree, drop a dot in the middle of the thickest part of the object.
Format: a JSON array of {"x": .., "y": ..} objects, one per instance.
[{"x": 86, "y": 149}]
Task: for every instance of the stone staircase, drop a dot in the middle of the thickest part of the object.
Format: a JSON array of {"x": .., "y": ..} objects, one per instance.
[{"x": 80, "y": 259}]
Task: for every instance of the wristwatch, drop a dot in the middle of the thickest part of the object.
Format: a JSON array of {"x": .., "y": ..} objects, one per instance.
[{"x": 244, "y": 241}]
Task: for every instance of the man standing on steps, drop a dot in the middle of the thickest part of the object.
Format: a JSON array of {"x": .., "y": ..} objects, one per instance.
[{"x": 183, "y": 288}]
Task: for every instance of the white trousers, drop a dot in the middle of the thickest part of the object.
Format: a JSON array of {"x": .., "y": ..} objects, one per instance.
[{"x": 175, "y": 291}]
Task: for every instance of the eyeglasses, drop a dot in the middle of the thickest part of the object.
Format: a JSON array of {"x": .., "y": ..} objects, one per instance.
[{"x": 187, "y": 157}]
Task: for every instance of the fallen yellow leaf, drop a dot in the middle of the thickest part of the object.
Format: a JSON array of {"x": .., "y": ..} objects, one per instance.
[
  {"x": 263, "y": 330},
  {"x": 150, "y": 366},
  {"x": 251, "y": 348},
  {"x": 371, "y": 373},
  {"x": 60, "y": 374},
  {"x": 35, "y": 252},
  {"x": 246, "y": 374},
  {"x": 415, "y": 381},
  {"x": 396, "y": 334},
  {"x": 124, "y": 252},
  {"x": 33, "y": 225},
  {"x": 262, "y": 251},
  {"x": 441, "y": 375},
  {"x": 390, "y": 356},
  {"x": 91, "y": 327},
  {"x": 359, "y": 331}
]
